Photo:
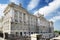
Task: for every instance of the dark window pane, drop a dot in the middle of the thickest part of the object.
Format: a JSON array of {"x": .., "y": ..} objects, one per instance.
[
  {"x": 20, "y": 33},
  {"x": 24, "y": 32}
]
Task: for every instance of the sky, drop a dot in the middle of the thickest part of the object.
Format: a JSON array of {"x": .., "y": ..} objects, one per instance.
[{"x": 49, "y": 8}]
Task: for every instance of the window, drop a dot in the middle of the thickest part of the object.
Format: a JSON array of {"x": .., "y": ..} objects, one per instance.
[
  {"x": 37, "y": 32},
  {"x": 41, "y": 31},
  {"x": 20, "y": 21},
  {"x": 12, "y": 22},
  {"x": 16, "y": 13},
  {"x": 31, "y": 32},
  {"x": 20, "y": 13},
  {"x": 16, "y": 33},
  {"x": 24, "y": 13},
  {"x": 49, "y": 30},
  {"x": 24, "y": 32},
  {"x": 20, "y": 33},
  {"x": 24, "y": 16},
  {"x": 24, "y": 22},
  {"x": 16, "y": 20}
]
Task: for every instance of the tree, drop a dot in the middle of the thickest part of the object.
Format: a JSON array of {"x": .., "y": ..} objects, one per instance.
[{"x": 56, "y": 31}]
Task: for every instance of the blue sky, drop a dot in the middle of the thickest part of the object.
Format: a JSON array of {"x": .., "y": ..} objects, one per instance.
[{"x": 49, "y": 8}]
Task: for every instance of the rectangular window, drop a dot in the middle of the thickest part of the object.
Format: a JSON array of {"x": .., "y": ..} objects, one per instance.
[
  {"x": 16, "y": 33},
  {"x": 24, "y": 32},
  {"x": 37, "y": 32},
  {"x": 16, "y": 20},
  {"x": 24, "y": 17},
  {"x": 20, "y": 21},
  {"x": 31, "y": 32}
]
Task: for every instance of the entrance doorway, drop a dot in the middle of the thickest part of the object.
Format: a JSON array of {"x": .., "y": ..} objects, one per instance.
[{"x": 20, "y": 33}]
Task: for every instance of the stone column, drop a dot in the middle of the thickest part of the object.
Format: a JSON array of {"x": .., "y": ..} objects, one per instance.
[{"x": 4, "y": 35}]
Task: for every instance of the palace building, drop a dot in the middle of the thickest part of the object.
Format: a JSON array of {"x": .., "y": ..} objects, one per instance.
[{"x": 19, "y": 21}]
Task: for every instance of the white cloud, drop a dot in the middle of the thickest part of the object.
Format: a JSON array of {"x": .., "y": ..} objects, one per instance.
[
  {"x": 15, "y": 1},
  {"x": 2, "y": 8},
  {"x": 32, "y": 4},
  {"x": 48, "y": 9},
  {"x": 54, "y": 19}
]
